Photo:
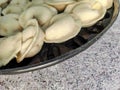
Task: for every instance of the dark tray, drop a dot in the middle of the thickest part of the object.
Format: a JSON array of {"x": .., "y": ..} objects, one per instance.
[{"x": 52, "y": 54}]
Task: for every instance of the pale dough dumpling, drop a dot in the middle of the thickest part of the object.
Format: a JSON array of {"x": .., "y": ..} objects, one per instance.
[
  {"x": 9, "y": 47},
  {"x": 38, "y": 44},
  {"x": 39, "y": 41},
  {"x": 59, "y": 4},
  {"x": 42, "y": 13},
  {"x": 9, "y": 24},
  {"x": 62, "y": 28},
  {"x": 88, "y": 12},
  {"x": 106, "y": 3},
  {"x": 30, "y": 37},
  {"x": 13, "y": 9},
  {"x": 19, "y": 2}
]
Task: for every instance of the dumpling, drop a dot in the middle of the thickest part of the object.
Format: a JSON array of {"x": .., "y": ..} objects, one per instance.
[
  {"x": 59, "y": 4},
  {"x": 16, "y": 6},
  {"x": 42, "y": 13},
  {"x": 62, "y": 28},
  {"x": 19, "y": 2},
  {"x": 9, "y": 47},
  {"x": 106, "y": 3},
  {"x": 9, "y": 24},
  {"x": 29, "y": 40},
  {"x": 38, "y": 44},
  {"x": 88, "y": 12},
  {"x": 13, "y": 9},
  {"x": 29, "y": 36}
]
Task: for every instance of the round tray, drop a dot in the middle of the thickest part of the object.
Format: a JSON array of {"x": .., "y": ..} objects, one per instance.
[{"x": 52, "y": 54}]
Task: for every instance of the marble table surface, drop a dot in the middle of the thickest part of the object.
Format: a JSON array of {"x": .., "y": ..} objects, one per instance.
[{"x": 97, "y": 68}]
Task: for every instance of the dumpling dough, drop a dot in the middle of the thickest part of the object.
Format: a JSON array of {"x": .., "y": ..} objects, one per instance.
[
  {"x": 106, "y": 3},
  {"x": 39, "y": 41},
  {"x": 62, "y": 28},
  {"x": 16, "y": 6},
  {"x": 9, "y": 24},
  {"x": 42, "y": 13},
  {"x": 23, "y": 44},
  {"x": 88, "y": 12},
  {"x": 30, "y": 37},
  {"x": 13, "y": 9},
  {"x": 38, "y": 44},
  {"x": 19, "y": 2},
  {"x": 59, "y": 4},
  {"x": 9, "y": 47}
]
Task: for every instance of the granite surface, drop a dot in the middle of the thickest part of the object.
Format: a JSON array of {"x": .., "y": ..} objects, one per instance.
[{"x": 97, "y": 68}]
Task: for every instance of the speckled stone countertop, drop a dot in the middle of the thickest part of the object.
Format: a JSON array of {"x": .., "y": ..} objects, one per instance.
[{"x": 97, "y": 68}]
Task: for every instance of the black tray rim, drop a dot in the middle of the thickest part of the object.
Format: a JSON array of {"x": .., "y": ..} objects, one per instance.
[{"x": 65, "y": 56}]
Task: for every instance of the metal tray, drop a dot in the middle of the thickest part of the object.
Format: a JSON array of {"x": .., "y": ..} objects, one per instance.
[{"x": 52, "y": 54}]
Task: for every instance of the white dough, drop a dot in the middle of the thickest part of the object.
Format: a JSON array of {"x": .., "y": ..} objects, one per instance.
[
  {"x": 42, "y": 13},
  {"x": 29, "y": 40},
  {"x": 9, "y": 47},
  {"x": 89, "y": 12},
  {"x": 62, "y": 28},
  {"x": 9, "y": 25},
  {"x": 59, "y": 4},
  {"x": 13, "y": 9},
  {"x": 106, "y": 3}
]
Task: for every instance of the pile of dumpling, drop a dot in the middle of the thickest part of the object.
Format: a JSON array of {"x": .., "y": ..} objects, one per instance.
[{"x": 26, "y": 24}]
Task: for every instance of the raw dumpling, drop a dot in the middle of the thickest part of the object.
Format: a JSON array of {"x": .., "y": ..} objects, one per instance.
[
  {"x": 42, "y": 13},
  {"x": 88, "y": 12},
  {"x": 59, "y": 4},
  {"x": 106, "y": 3},
  {"x": 19, "y": 2},
  {"x": 12, "y": 9},
  {"x": 9, "y": 47},
  {"x": 22, "y": 45},
  {"x": 29, "y": 39},
  {"x": 9, "y": 24},
  {"x": 38, "y": 44},
  {"x": 62, "y": 28}
]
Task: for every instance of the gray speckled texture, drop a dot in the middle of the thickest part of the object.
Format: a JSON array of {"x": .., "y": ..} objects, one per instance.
[{"x": 97, "y": 68}]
